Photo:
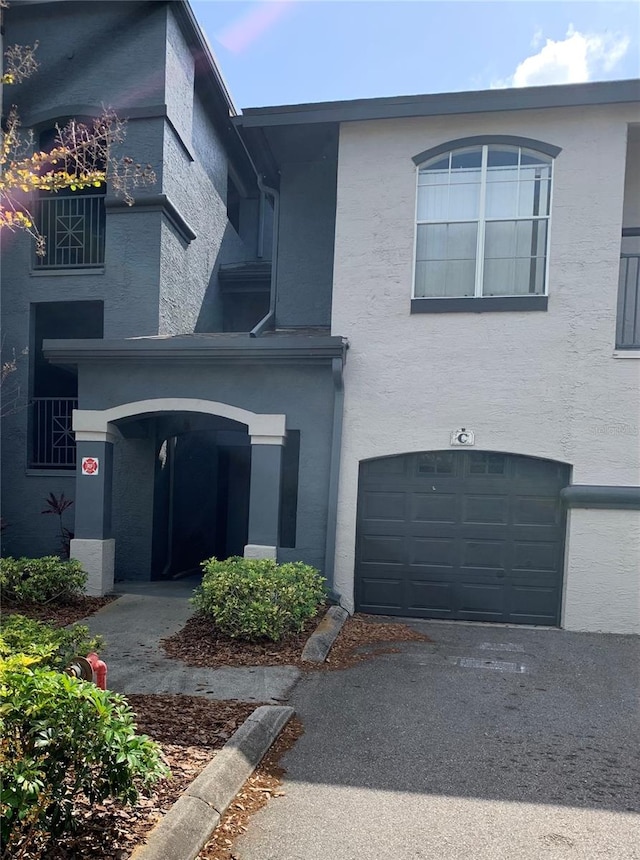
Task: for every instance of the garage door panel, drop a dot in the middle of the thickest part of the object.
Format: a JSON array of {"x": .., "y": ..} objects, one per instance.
[
  {"x": 486, "y": 463},
  {"x": 535, "y": 555},
  {"x": 485, "y": 509},
  {"x": 533, "y": 471},
  {"x": 481, "y": 531},
  {"x": 532, "y": 601},
  {"x": 531, "y": 510},
  {"x": 480, "y": 599},
  {"x": 382, "y": 550},
  {"x": 385, "y": 468},
  {"x": 484, "y": 553},
  {"x": 462, "y": 535},
  {"x": 434, "y": 508},
  {"x": 435, "y": 463},
  {"x": 432, "y": 597},
  {"x": 384, "y": 506},
  {"x": 432, "y": 551},
  {"x": 381, "y": 595}
]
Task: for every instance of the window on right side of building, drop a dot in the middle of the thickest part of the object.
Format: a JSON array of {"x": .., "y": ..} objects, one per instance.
[{"x": 483, "y": 223}]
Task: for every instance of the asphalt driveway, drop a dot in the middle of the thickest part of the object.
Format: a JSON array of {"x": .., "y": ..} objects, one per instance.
[{"x": 489, "y": 743}]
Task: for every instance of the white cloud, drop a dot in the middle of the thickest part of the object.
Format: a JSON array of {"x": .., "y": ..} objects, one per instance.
[{"x": 577, "y": 58}]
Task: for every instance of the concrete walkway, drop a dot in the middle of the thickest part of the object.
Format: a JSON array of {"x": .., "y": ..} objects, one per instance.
[
  {"x": 492, "y": 743},
  {"x": 147, "y": 612}
]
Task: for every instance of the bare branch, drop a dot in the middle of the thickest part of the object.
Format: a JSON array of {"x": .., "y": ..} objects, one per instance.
[
  {"x": 20, "y": 63},
  {"x": 10, "y": 392},
  {"x": 82, "y": 156}
]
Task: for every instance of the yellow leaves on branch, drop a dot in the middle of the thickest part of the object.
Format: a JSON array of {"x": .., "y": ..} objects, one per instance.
[
  {"x": 82, "y": 157},
  {"x": 24, "y": 176},
  {"x": 11, "y": 219}
]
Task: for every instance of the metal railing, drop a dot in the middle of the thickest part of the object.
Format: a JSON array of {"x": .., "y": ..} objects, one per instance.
[
  {"x": 54, "y": 444},
  {"x": 628, "y": 324},
  {"x": 73, "y": 228}
]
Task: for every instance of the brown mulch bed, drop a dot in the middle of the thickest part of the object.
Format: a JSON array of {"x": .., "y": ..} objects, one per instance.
[
  {"x": 61, "y": 614},
  {"x": 190, "y": 729},
  {"x": 200, "y": 644}
]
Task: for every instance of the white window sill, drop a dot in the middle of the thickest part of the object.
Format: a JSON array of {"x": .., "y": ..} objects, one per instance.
[{"x": 626, "y": 353}]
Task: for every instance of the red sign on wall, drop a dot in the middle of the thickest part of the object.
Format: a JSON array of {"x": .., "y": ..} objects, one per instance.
[{"x": 90, "y": 465}]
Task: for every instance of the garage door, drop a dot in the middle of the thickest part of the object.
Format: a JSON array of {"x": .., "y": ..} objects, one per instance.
[{"x": 466, "y": 535}]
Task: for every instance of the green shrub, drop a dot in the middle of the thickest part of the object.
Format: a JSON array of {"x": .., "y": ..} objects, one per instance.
[
  {"x": 41, "y": 580},
  {"x": 52, "y": 646},
  {"x": 257, "y": 598},
  {"x": 62, "y": 737}
]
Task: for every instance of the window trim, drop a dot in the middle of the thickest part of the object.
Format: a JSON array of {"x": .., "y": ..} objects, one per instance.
[
  {"x": 478, "y": 304},
  {"x": 538, "y": 301},
  {"x": 482, "y": 139}
]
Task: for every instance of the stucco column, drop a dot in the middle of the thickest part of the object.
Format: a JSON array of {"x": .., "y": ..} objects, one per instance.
[
  {"x": 93, "y": 545},
  {"x": 264, "y": 497}
]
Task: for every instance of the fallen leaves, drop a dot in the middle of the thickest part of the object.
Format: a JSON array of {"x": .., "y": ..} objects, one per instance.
[
  {"x": 366, "y": 632},
  {"x": 263, "y": 784}
]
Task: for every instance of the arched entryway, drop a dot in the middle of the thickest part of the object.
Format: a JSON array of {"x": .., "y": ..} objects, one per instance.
[
  {"x": 201, "y": 489},
  {"x": 206, "y": 461},
  {"x": 461, "y": 535}
]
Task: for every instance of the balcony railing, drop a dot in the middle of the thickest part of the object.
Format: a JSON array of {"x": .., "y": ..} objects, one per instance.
[
  {"x": 54, "y": 444},
  {"x": 73, "y": 228},
  {"x": 628, "y": 327}
]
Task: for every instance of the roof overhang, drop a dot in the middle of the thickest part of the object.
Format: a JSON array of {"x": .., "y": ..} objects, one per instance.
[
  {"x": 440, "y": 104},
  {"x": 275, "y": 348}
]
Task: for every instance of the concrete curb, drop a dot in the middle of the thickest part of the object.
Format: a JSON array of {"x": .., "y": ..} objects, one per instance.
[
  {"x": 185, "y": 829},
  {"x": 320, "y": 642}
]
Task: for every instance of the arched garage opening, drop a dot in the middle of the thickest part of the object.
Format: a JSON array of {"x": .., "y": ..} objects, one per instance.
[{"x": 461, "y": 535}]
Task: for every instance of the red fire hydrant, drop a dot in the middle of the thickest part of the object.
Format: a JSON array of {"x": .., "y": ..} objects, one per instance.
[{"x": 99, "y": 670}]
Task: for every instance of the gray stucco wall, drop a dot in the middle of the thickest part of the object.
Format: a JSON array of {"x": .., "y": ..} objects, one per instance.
[
  {"x": 74, "y": 77},
  {"x": 305, "y": 246},
  {"x": 73, "y": 68},
  {"x": 132, "y": 517},
  {"x": 304, "y": 394},
  {"x": 153, "y": 282},
  {"x": 195, "y": 180}
]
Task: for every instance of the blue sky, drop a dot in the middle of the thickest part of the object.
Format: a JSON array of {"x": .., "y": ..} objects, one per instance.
[{"x": 290, "y": 51}]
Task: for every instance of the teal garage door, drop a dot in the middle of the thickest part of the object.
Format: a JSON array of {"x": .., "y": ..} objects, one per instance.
[{"x": 466, "y": 535}]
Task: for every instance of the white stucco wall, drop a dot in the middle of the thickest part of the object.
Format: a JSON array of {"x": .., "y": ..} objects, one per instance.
[
  {"x": 602, "y": 586},
  {"x": 543, "y": 384}
]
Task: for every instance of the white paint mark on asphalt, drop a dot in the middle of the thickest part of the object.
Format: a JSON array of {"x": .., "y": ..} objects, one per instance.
[
  {"x": 501, "y": 646},
  {"x": 496, "y": 665}
]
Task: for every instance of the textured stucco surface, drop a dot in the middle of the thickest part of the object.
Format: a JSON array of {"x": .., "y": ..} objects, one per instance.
[
  {"x": 541, "y": 384},
  {"x": 132, "y": 516},
  {"x": 74, "y": 71},
  {"x": 305, "y": 244},
  {"x": 602, "y": 585},
  {"x": 96, "y": 557},
  {"x": 153, "y": 281}
]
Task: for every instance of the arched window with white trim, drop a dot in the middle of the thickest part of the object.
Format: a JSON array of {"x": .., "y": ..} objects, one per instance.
[{"x": 483, "y": 222}]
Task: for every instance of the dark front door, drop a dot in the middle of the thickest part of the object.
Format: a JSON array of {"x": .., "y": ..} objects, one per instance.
[{"x": 466, "y": 535}]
